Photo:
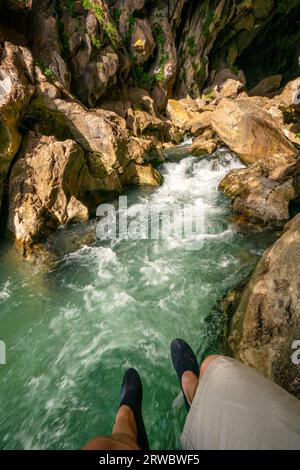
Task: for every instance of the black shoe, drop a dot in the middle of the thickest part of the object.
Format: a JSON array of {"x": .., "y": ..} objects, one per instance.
[
  {"x": 132, "y": 396},
  {"x": 183, "y": 360}
]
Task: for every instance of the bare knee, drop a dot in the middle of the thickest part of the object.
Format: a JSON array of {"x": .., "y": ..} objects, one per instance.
[
  {"x": 100, "y": 443},
  {"x": 206, "y": 363}
]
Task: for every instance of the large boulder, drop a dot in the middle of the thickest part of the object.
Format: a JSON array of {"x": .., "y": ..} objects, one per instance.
[
  {"x": 256, "y": 198},
  {"x": 266, "y": 322},
  {"x": 16, "y": 89},
  {"x": 46, "y": 185},
  {"x": 289, "y": 98},
  {"x": 205, "y": 144},
  {"x": 181, "y": 115},
  {"x": 261, "y": 193},
  {"x": 250, "y": 131},
  {"x": 101, "y": 133},
  {"x": 266, "y": 86}
]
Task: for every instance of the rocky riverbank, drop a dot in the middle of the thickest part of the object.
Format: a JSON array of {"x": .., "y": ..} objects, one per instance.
[{"x": 93, "y": 91}]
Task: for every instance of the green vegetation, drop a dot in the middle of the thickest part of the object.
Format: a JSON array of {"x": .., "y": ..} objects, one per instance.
[
  {"x": 71, "y": 5},
  {"x": 208, "y": 21},
  {"x": 234, "y": 69},
  {"x": 159, "y": 76},
  {"x": 61, "y": 31},
  {"x": 116, "y": 15},
  {"x": 163, "y": 59},
  {"x": 46, "y": 70},
  {"x": 208, "y": 95},
  {"x": 141, "y": 77},
  {"x": 128, "y": 35},
  {"x": 96, "y": 42},
  {"x": 191, "y": 45},
  {"x": 159, "y": 35},
  {"x": 200, "y": 72},
  {"x": 297, "y": 135},
  {"x": 109, "y": 28}
]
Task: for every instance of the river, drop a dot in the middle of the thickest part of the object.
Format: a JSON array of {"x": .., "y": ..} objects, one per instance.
[{"x": 72, "y": 330}]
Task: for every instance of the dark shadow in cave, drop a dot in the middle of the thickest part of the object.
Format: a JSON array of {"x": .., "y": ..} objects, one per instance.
[{"x": 275, "y": 50}]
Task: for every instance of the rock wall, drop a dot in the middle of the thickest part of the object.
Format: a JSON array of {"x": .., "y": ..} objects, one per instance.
[
  {"x": 266, "y": 321},
  {"x": 103, "y": 74}
]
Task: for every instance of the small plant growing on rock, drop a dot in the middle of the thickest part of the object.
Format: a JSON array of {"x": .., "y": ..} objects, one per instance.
[
  {"x": 116, "y": 15},
  {"x": 191, "y": 45},
  {"x": 128, "y": 35},
  {"x": 208, "y": 95},
  {"x": 109, "y": 28},
  {"x": 96, "y": 42},
  {"x": 234, "y": 69},
  {"x": 140, "y": 76},
  {"x": 159, "y": 76},
  {"x": 71, "y": 5},
  {"x": 159, "y": 35},
  {"x": 46, "y": 70}
]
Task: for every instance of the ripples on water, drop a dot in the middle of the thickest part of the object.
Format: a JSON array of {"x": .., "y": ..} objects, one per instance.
[{"x": 71, "y": 332}]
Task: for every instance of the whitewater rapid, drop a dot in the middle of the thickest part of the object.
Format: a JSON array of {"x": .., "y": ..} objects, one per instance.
[{"x": 72, "y": 331}]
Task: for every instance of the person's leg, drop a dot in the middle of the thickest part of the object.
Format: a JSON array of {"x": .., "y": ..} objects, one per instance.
[
  {"x": 124, "y": 434},
  {"x": 186, "y": 366},
  {"x": 128, "y": 431},
  {"x": 190, "y": 381}
]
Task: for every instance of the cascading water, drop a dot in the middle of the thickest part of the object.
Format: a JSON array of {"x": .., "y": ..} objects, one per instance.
[{"x": 71, "y": 332}]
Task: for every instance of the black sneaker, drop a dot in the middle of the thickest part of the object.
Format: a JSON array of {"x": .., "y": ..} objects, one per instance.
[
  {"x": 183, "y": 360},
  {"x": 132, "y": 396}
]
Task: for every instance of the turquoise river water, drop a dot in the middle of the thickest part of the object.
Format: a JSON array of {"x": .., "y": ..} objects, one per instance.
[{"x": 72, "y": 330}]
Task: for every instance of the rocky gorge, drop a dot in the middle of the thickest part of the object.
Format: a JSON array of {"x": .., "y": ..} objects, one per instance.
[{"x": 95, "y": 93}]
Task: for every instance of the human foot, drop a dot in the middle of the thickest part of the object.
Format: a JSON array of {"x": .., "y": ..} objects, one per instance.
[
  {"x": 132, "y": 396},
  {"x": 187, "y": 369}
]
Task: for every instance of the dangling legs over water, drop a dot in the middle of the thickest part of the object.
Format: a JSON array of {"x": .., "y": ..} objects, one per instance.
[{"x": 129, "y": 431}]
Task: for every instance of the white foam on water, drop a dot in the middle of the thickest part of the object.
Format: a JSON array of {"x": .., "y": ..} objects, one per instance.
[
  {"x": 115, "y": 305},
  {"x": 5, "y": 291}
]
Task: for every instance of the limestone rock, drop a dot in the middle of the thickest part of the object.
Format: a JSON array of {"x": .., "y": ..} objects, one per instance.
[
  {"x": 45, "y": 189},
  {"x": 16, "y": 88},
  {"x": 289, "y": 98},
  {"x": 46, "y": 46},
  {"x": 249, "y": 131},
  {"x": 266, "y": 86},
  {"x": 142, "y": 41},
  {"x": 223, "y": 75},
  {"x": 127, "y": 8},
  {"x": 262, "y": 192},
  {"x": 101, "y": 133},
  {"x": 205, "y": 144},
  {"x": 266, "y": 321},
  {"x": 180, "y": 116},
  {"x": 229, "y": 89}
]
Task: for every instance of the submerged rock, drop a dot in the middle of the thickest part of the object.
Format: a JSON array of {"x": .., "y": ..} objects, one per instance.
[
  {"x": 205, "y": 144},
  {"x": 266, "y": 321}
]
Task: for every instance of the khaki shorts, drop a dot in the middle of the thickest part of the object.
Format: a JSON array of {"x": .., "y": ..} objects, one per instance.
[{"x": 235, "y": 407}]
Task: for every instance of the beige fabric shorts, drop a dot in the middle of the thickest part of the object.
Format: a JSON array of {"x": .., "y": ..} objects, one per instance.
[{"x": 235, "y": 407}]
